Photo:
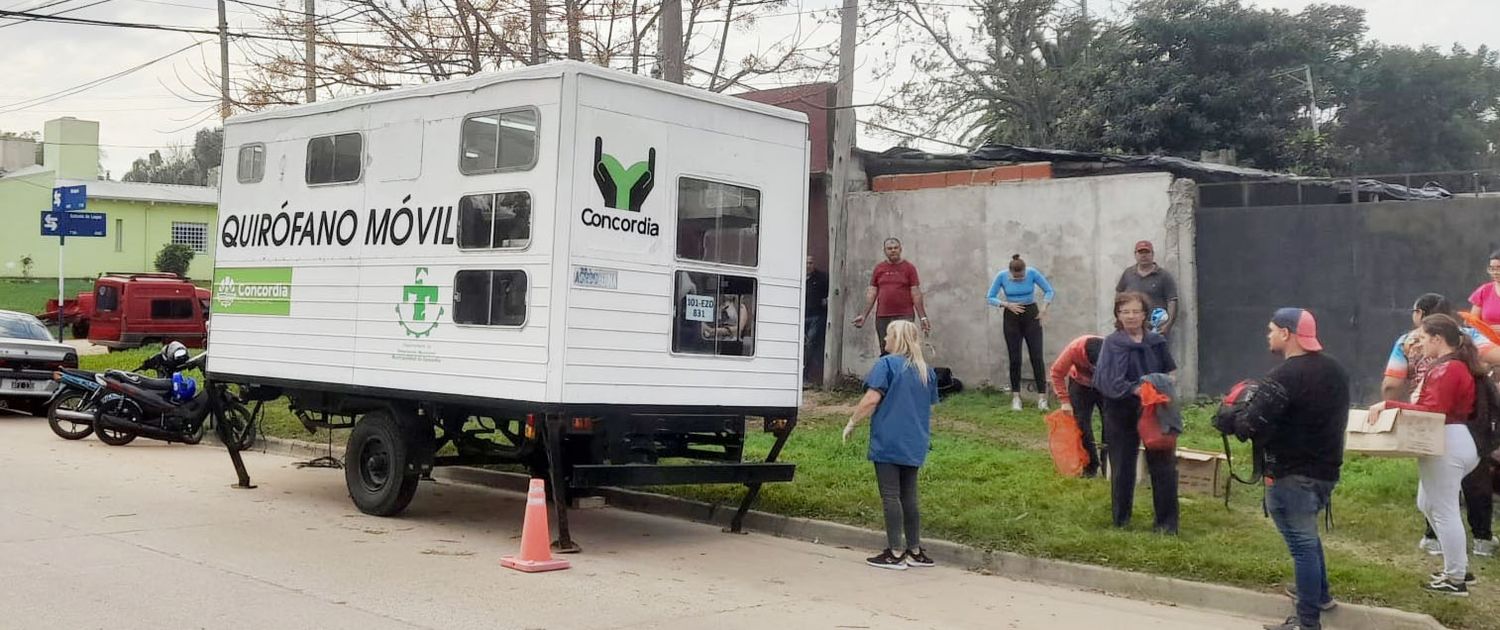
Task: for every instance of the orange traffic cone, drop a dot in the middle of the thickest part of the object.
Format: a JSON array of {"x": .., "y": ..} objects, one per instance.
[{"x": 536, "y": 552}]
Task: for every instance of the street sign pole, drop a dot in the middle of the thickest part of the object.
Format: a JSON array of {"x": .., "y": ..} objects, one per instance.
[
  {"x": 61, "y": 241},
  {"x": 64, "y": 200}
]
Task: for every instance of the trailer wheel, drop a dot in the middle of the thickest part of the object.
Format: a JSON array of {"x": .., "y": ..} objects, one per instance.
[
  {"x": 81, "y": 329},
  {"x": 375, "y": 465}
]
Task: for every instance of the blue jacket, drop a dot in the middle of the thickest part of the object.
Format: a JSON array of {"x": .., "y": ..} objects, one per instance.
[{"x": 1124, "y": 361}]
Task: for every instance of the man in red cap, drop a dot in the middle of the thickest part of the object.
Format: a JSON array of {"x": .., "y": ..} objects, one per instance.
[
  {"x": 1302, "y": 436},
  {"x": 1147, "y": 277}
]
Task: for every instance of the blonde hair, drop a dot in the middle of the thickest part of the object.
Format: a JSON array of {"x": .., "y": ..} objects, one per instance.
[{"x": 902, "y": 339}]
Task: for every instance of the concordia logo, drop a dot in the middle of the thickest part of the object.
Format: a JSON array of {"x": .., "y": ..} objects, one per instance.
[{"x": 623, "y": 189}]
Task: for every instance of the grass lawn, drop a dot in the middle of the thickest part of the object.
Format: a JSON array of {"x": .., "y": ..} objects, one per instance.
[
  {"x": 30, "y": 296},
  {"x": 989, "y": 482}
]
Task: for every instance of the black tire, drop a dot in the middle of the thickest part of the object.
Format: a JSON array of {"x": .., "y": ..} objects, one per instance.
[
  {"x": 67, "y": 429},
  {"x": 235, "y": 426},
  {"x": 192, "y": 439},
  {"x": 376, "y": 465},
  {"x": 81, "y": 330},
  {"x": 113, "y": 437}
]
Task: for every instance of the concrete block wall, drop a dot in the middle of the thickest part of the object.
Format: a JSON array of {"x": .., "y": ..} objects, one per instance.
[{"x": 1079, "y": 232}]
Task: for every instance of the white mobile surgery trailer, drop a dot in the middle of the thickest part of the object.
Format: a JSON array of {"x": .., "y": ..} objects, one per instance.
[{"x": 569, "y": 267}]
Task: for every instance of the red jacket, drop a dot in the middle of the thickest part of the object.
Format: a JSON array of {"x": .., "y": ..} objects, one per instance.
[
  {"x": 1072, "y": 363},
  {"x": 1448, "y": 390}
]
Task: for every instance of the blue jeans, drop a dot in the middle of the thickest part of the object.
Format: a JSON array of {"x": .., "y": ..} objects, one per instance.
[
  {"x": 814, "y": 327},
  {"x": 1294, "y": 502}
]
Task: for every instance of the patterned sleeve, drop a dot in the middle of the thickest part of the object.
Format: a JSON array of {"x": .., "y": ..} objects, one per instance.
[{"x": 1396, "y": 366}]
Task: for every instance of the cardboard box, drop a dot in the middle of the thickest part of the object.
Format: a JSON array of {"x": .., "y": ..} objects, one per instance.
[
  {"x": 1201, "y": 472},
  {"x": 1198, "y": 472},
  {"x": 1395, "y": 433}
]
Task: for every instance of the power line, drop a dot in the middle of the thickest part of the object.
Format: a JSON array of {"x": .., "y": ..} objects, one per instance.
[
  {"x": 204, "y": 31},
  {"x": 47, "y": 98}
]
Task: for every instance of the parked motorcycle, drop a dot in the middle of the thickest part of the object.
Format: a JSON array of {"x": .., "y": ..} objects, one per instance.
[
  {"x": 119, "y": 406},
  {"x": 168, "y": 409},
  {"x": 71, "y": 410}
]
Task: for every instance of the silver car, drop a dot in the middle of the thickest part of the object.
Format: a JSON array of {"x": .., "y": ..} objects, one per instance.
[{"x": 28, "y": 356}]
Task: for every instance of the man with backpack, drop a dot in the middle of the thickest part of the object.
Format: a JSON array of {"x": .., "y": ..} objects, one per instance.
[{"x": 1297, "y": 417}]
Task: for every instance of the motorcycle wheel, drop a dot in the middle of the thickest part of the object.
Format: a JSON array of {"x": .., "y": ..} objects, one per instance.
[
  {"x": 238, "y": 426},
  {"x": 192, "y": 439},
  {"x": 113, "y": 437},
  {"x": 68, "y": 429}
]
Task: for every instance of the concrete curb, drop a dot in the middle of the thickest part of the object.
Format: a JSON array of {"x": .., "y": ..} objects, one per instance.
[{"x": 1141, "y": 586}]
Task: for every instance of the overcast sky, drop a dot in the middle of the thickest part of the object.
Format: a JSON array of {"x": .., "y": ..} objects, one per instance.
[{"x": 140, "y": 111}]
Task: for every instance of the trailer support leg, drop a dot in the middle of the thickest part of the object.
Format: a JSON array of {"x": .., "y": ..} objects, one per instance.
[
  {"x": 216, "y": 407},
  {"x": 552, "y": 441},
  {"x": 782, "y": 428}
]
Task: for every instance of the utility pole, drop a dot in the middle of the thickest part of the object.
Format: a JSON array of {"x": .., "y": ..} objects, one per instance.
[
  {"x": 223, "y": 62},
  {"x": 538, "y": 16},
  {"x": 838, "y": 195},
  {"x": 671, "y": 44},
  {"x": 310, "y": 53}
]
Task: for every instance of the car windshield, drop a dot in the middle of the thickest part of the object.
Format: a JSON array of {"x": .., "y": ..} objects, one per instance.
[{"x": 13, "y": 327}]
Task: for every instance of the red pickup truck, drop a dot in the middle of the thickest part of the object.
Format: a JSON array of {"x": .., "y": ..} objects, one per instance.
[{"x": 127, "y": 310}]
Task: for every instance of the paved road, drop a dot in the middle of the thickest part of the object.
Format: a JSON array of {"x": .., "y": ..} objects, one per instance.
[{"x": 151, "y": 536}]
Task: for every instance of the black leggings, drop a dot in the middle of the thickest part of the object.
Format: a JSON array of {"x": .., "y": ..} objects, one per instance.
[
  {"x": 898, "y": 499},
  {"x": 1479, "y": 500},
  {"x": 1027, "y": 326}
]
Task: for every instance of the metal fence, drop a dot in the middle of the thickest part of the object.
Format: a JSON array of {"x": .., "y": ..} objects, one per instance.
[{"x": 1371, "y": 188}]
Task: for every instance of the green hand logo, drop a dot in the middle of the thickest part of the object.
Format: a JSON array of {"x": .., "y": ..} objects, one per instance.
[
  {"x": 418, "y": 296},
  {"x": 623, "y": 188}
]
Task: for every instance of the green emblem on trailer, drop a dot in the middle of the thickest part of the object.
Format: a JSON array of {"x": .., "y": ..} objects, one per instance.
[{"x": 413, "y": 312}]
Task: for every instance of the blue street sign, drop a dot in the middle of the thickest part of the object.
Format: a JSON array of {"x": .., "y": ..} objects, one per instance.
[
  {"x": 74, "y": 223},
  {"x": 70, "y": 198}
]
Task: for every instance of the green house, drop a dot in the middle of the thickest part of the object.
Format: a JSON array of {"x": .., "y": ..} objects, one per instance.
[{"x": 140, "y": 218}]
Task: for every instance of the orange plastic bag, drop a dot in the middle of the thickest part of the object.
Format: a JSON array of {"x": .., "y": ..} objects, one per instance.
[
  {"x": 1066, "y": 441},
  {"x": 1152, "y": 437}
]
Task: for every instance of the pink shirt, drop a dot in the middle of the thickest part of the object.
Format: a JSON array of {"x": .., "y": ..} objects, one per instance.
[{"x": 1489, "y": 304}]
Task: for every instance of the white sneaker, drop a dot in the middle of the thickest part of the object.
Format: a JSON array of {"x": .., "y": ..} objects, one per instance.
[
  {"x": 1486, "y": 548},
  {"x": 1015, "y": 402},
  {"x": 1041, "y": 403},
  {"x": 1431, "y": 546}
]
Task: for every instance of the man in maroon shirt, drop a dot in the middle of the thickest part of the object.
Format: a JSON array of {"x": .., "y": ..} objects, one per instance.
[{"x": 895, "y": 287}]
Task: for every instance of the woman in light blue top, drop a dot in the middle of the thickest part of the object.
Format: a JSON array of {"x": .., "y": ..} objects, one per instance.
[{"x": 1015, "y": 291}]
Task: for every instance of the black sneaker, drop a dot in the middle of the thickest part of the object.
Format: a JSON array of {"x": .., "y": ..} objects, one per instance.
[
  {"x": 918, "y": 559},
  {"x": 1291, "y": 591},
  {"x": 1444, "y": 587},
  {"x": 1291, "y": 623},
  {"x": 1439, "y": 575},
  {"x": 887, "y": 560}
]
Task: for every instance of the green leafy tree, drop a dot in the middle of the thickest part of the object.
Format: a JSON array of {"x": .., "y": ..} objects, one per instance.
[
  {"x": 174, "y": 258},
  {"x": 1414, "y": 110}
]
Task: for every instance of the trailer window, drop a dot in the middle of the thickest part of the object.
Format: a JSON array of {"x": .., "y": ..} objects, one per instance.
[
  {"x": 714, "y": 314},
  {"x": 718, "y": 223},
  {"x": 335, "y": 159},
  {"x": 498, "y": 141},
  {"x": 489, "y": 298},
  {"x": 252, "y": 166},
  {"x": 171, "y": 309},
  {"x": 494, "y": 221}
]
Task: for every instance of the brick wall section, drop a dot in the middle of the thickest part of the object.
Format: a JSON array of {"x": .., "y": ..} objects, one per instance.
[{"x": 980, "y": 177}]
